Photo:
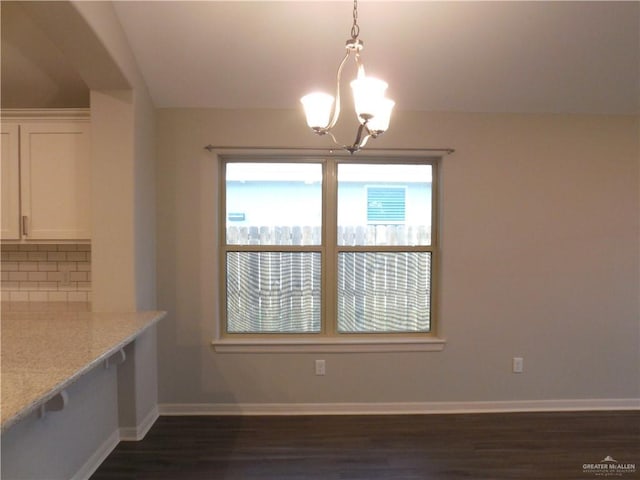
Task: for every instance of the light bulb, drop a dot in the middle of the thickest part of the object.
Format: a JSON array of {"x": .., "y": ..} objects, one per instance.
[
  {"x": 317, "y": 108},
  {"x": 380, "y": 121},
  {"x": 368, "y": 92}
]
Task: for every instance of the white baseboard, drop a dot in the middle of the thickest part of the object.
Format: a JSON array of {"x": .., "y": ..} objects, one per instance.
[
  {"x": 123, "y": 434},
  {"x": 399, "y": 408},
  {"x": 396, "y": 408},
  {"x": 99, "y": 456},
  {"x": 139, "y": 431}
]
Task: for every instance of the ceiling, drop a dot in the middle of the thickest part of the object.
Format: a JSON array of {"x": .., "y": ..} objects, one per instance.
[
  {"x": 577, "y": 57},
  {"x": 436, "y": 56},
  {"x": 35, "y": 73}
]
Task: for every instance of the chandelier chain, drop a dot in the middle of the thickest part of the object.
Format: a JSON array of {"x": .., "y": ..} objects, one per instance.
[{"x": 355, "y": 29}]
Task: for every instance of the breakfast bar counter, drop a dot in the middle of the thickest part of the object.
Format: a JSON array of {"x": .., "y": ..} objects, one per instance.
[{"x": 48, "y": 346}]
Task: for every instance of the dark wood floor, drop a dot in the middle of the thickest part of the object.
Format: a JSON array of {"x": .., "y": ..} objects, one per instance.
[{"x": 479, "y": 446}]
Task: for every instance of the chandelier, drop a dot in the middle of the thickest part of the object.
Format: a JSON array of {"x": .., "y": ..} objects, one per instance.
[{"x": 373, "y": 109}]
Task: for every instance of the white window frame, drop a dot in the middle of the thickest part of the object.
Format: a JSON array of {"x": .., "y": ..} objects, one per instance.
[{"x": 369, "y": 342}]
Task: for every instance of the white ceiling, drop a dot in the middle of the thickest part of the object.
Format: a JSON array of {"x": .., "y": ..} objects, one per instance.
[{"x": 581, "y": 57}]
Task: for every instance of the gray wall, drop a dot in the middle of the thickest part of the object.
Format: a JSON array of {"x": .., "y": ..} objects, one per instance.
[
  {"x": 540, "y": 259},
  {"x": 59, "y": 445}
]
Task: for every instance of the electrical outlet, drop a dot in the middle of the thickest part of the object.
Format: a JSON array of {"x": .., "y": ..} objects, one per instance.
[
  {"x": 518, "y": 364},
  {"x": 320, "y": 367}
]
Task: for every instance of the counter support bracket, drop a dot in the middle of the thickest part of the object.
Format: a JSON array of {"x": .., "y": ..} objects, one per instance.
[
  {"x": 116, "y": 359},
  {"x": 54, "y": 404}
]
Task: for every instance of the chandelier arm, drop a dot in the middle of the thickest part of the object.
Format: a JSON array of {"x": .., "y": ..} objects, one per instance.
[
  {"x": 359, "y": 141},
  {"x": 336, "y": 105},
  {"x": 359, "y": 65},
  {"x": 349, "y": 148},
  {"x": 365, "y": 140},
  {"x": 335, "y": 140}
]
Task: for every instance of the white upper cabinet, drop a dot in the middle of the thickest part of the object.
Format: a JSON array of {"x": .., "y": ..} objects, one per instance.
[
  {"x": 10, "y": 176},
  {"x": 54, "y": 180}
]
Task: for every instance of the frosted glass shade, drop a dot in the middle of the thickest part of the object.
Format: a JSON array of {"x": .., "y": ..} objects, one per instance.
[
  {"x": 368, "y": 93},
  {"x": 317, "y": 108},
  {"x": 380, "y": 121}
]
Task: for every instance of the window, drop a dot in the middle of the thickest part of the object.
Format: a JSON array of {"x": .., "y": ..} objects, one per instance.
[{"x": 329, "y": 250}]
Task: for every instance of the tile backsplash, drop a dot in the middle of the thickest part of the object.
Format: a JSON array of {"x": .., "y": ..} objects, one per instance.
[{"x": 46, "y": 273}]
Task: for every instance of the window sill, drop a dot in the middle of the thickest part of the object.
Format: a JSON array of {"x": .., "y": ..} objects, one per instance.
[{"x": 430, "y": 344}]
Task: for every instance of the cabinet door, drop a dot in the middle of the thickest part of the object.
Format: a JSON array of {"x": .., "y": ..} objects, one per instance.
[
  {"x": 56, "y": 180},
  {"x": 10, "y": 182}
]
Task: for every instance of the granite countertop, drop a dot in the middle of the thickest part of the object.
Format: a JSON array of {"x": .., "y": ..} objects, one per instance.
[{"x": 48, "y": 346}]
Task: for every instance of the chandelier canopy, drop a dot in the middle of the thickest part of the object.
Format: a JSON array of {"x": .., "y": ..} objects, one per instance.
[{"x": 373, "y": 109}]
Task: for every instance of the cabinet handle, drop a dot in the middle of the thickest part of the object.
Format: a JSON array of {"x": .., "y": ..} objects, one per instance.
[{"x": 25, "y": 225}]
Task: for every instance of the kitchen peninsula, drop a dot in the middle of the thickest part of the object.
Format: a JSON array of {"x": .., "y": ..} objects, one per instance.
[
  {"x": 63, "y": 365},
  {"x": 48, "y": 346}
]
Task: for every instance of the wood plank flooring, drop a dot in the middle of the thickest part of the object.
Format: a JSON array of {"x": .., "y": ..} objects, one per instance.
[{"x": 397, "y": 447}]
